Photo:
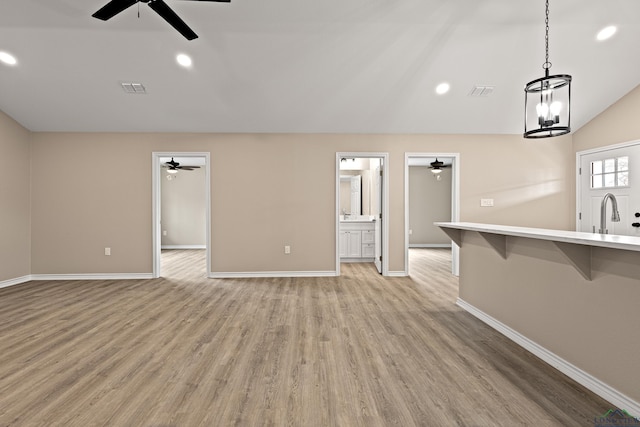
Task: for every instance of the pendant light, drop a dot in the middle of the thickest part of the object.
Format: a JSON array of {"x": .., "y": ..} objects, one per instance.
[{"x": 547, "y": 100}]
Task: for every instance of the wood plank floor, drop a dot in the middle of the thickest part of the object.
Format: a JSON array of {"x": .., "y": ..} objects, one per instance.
[{"x": 183, "y": 350}]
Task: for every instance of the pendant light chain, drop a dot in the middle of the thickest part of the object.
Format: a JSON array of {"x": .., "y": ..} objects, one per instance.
[{"x": 546, "y": 64}]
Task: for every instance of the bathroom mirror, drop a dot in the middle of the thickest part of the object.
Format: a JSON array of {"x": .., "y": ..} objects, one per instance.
[
  {"x": 357, "y": 186},
  {"x": 350, "y": 194}
]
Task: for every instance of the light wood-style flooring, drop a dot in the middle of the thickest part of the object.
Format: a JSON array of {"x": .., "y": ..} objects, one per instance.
[{"x": 355, "y": 350}]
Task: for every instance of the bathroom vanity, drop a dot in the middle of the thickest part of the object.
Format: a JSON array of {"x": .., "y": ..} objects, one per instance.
[
  {"x": 357, "y": 238},
  {"x": 571, "y": 298}
]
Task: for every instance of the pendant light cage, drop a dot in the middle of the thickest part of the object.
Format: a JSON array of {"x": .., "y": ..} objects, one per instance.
[{"x": 547, "y": 100}]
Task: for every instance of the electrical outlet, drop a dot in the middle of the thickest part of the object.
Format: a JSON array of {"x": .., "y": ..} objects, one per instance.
[
  {"x": 107, "y": 251},
  {"x": 287, "y": 250},
  {"x": 486, "y": 202},
  {"x": 164, "y": 232}
]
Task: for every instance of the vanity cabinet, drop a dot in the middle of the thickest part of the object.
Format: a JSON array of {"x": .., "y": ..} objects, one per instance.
[
  {"x": 357, "y": 241},
  {"x": 368, "y": 244},
  {"x": 350, "y": 244}
]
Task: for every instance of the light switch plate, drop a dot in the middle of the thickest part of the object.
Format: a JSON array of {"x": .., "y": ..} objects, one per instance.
[{"x": 486, "y": 202}]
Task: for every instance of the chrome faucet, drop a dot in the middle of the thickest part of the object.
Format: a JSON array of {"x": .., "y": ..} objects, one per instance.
[{"x": 615, "y": 215}]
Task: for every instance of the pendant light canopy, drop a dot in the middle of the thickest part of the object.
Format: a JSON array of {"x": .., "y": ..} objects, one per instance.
[{"x": 547, "y": 100}]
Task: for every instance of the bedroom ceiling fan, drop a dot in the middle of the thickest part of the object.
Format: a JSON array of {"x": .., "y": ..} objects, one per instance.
[
  {"x": 174, "y": 167},
  {"x": 114, "y": 7},
  {"x": 437, "y": 166}
]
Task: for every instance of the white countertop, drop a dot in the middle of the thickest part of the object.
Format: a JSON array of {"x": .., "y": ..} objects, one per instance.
[
  {"x": 357, "y": 218},
  {"x": 630, "y": 243}
]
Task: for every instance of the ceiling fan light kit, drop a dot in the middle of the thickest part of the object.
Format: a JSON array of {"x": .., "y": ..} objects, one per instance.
[
  {"x": 437, "y": 166},
  {"x": 547, "y": 100},
  {"x": 114, "y": 7}
]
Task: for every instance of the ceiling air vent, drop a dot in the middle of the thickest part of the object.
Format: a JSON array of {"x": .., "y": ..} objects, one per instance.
[
  {"x": 136, "y": 88},
  {"x": 481, "y": 91}
]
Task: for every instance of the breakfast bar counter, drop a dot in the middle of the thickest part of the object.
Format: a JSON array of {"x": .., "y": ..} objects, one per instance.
[{"x": 571, "y": 298}]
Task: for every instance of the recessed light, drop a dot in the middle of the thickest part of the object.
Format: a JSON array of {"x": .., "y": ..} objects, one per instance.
[
  {"x": 8, "y": 59},
  {"x": 606, "y": 33},
  {"x": 184, "y": 60},
  {"x": 442, "y": 88}
]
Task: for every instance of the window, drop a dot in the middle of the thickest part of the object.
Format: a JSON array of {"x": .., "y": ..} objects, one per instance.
[{"x": 609, "y": 173}]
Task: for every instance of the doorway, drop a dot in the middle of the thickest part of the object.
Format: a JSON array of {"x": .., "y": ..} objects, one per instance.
[
  {"x": 433, "y": 167},
  {"x": 361, "y": 216},
  {"x": 160, "y": 228}
]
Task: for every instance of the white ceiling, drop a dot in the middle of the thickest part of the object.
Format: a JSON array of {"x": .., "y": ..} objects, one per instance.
[{"x": 343, "y": 66}]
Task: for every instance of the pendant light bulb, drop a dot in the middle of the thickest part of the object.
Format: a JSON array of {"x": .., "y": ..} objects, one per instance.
[{"x": 542, "y": 109}]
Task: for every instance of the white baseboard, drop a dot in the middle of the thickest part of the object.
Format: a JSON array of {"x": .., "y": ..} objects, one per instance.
[
  {"x": 587, "y": 380},
  {"x": 183, "y": 247},
  {"x": 397, "y": 274},
  {"x": 16, "y": 281},
  {"x": 254, "y": 274},
  {"x": 430, "y": 245},
  {"x": 93, "y": 276}
]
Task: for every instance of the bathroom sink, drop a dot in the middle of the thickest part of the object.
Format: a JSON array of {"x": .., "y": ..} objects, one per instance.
[{"x": 356, "y": 218}]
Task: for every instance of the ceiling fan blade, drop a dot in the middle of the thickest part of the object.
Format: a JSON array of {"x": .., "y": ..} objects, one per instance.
[
  {"x": 163, "y": 9},
  {"x": 189, "y": 168},
  {"x": 112, "y": 8}
]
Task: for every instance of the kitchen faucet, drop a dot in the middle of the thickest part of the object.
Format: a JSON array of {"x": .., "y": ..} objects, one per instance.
[{"x": 615, "y": 215}]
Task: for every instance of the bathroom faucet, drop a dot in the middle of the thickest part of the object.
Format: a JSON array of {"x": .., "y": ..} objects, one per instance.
[{"x": 615, "y": 215}]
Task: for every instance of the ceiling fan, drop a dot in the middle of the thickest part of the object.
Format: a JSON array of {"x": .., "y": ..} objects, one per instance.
[
  {"x": 114, "y": 7},
  {"x": 174, "y": 167},
  {"x": 437, "y": 166}
]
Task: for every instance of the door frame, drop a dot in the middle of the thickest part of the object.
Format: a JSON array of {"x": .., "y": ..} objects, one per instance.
[
  {"x": 579, "y": 155},
  {"x": 156, "y": 201},
  {"x": 455, "y": 204},
  {"x": 385, "y": 204}
]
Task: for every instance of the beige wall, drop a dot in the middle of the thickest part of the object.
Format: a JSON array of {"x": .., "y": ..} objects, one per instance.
[
  {"x": 183, "y": 200},
  {"x": 285, "y": 195},
  {"x": 15, "y": 211},
  {"x": 618, "y": 123},
  {"x": 104, "y": 198},
  {"x": 429, "y": 202}
]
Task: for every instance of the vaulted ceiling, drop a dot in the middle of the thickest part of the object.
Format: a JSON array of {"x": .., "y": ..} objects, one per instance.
[{"x": 336, "y": 66}]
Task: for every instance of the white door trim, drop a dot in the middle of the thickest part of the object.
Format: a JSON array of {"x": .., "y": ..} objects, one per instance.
[
  {"x": 385, "y": 205},
  {"x": 579, "y": 155},
  {"x": 156, "y": 176},
  {"x": 455, "y": 204}
]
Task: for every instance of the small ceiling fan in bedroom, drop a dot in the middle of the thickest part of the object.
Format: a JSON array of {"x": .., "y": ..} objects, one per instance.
[
  {"x": 174, "y": 167},
  {"x": 437, "y": 166},
  {"x": 114, "y": 7}
]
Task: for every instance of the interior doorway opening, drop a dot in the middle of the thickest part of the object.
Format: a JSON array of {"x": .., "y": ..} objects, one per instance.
[
  {"x": 181, "y": 207},
  {"x": 362, "y": 209},
  {"x": 431, "y": 195}
]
